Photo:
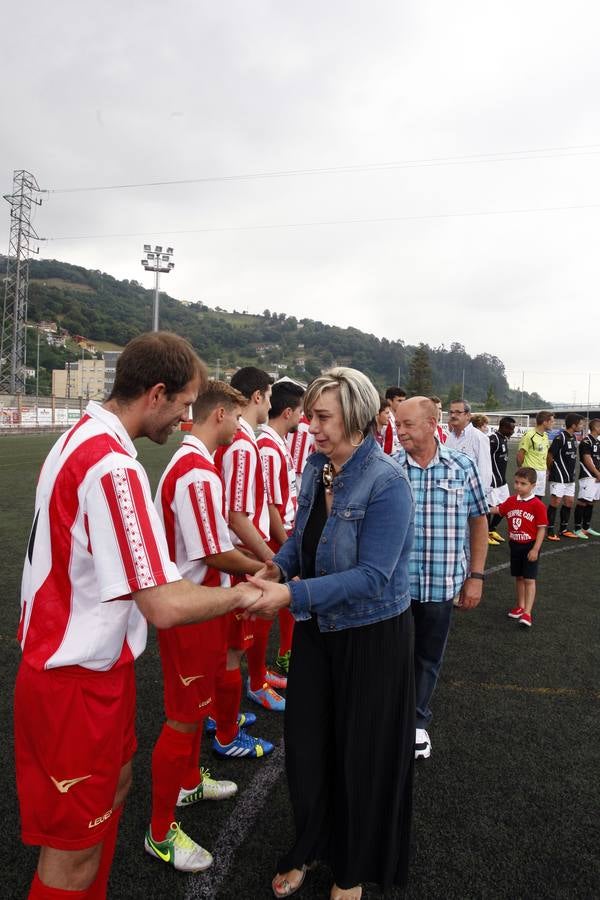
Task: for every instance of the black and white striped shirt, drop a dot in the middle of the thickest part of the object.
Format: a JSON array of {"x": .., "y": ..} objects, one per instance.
[
  {"x": 564, "y": 458},
  {"x": 589, "y": 446}
]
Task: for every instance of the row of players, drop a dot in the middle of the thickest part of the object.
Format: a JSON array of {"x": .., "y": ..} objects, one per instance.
[{"x": 554, "y": 461}]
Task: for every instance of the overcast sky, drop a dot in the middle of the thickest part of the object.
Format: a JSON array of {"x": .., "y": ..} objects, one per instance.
[{"x": 445, "y": 249}]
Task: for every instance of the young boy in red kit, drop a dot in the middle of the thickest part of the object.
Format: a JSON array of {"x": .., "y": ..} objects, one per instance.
[{"x": 527, "y": 521}]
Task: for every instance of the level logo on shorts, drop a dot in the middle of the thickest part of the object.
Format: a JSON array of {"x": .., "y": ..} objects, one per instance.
[
  {"x": 67, "y": 783},
  {"x": 187, "y": 681}
]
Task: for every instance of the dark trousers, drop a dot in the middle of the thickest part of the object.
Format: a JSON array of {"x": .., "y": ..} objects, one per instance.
[
  {"x": 349, "y": 749},
  {"x": 432, "y": 624}
]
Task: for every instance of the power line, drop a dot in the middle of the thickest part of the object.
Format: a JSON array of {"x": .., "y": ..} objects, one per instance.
[
  {"x": 509, "y": 156},
  {"x": 333, "y": 222}
]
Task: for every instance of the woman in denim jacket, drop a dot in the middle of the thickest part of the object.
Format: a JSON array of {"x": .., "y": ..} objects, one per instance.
[{"x": 350, "y": 713}]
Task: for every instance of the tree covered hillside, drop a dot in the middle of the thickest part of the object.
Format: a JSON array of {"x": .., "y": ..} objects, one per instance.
[{"x": 93, "y": 304}]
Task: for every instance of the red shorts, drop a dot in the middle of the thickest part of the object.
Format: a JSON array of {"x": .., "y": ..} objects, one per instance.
[
  {"x": 191, "y": 656},
  {"x": 240, "y": 632},
  {"x": 74, "y": 731}
]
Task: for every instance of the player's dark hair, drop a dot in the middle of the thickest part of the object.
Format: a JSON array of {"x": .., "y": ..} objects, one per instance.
[
  {"x": 284, "y": 395},
  {"x": 250, "y": 379},
  {"x": 543, "y": 416},
  {"x": 395, "y": 391},
  {"x": 572, "y": 419},
  {"x": 157, "y": 357},
  {"x": 383, "y": 403},
  {"x": 507, "y": 420},
  {"x": 594, "y": 423},
  {"x": 216, "y": 393},
  {"x": 527, "y": 473}
]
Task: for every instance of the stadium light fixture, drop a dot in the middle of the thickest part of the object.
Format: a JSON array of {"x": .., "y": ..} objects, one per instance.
[{"x": 157, "y": 261}]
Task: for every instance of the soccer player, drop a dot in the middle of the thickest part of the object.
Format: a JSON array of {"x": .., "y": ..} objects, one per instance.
[
  {"x": 301, "y": 444},
  {"x": 242, "y": 470},
  {"x": 589, "y": 482},
  {"x": 280, "y": 482},
  {"x": 562, "y": 461},
  {"x": 385, "y": 433},
  {"x": 499, "y": 455},
  {"x": 527, "y": 520},
  {"x": 533, "y": 449},
  {"x": 441, "y": 434},
  {"x": 97, "y": 567},
  {"x": 190, "y": 501},
  {"x": 396, "y": 396}
]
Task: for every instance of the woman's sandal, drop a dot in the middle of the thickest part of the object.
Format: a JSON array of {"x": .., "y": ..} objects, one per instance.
[{"x": 284, "y": 888}]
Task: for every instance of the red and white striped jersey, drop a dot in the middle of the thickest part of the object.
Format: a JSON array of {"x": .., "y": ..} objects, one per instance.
[
  {"x": 280, "y": 478},
  {"x": 389, "y": 436},
  {"x": 242, "y": 473},
  {"x": 190, "y": 501},
  {"x": 301, "y": 444},
  {"x": 95, "y": 539}
]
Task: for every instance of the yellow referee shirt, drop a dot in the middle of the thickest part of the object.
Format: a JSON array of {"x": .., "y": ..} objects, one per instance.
[{"x": 536, "y": 447}]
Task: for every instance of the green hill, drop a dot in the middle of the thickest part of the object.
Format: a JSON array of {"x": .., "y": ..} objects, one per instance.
[{"x": 105, "y": 310}]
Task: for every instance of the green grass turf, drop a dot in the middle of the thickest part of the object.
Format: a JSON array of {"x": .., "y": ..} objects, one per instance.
[{"x": 506, "y": 807}]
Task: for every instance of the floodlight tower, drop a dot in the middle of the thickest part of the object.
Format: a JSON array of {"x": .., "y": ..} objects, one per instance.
[
  {"x": 13, "y": 339},
  {"x": 157, "y": 261}
]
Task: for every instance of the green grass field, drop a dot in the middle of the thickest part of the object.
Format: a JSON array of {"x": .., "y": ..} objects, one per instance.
[{"x": 508, "y": 805}]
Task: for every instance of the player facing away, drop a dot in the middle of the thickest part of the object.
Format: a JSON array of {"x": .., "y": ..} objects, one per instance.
[
  {"x": 190, "y": 501},
  {"x": 97, "y": 567},
  {"x": 499, "y": 455},
  {"x": 527, "y": 520},
  {"x": 562, "y": 462},
  {"x": 589, "y": 482},
  {"x": 242, "y": 470},
  {"x": 280, "y": 483}
]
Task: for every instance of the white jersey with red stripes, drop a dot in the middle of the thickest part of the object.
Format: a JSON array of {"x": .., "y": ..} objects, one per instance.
[
  {"x": 280, "y": 478},
  {"x": 96, "y": 539},
  {"x": 389, "y": 436},
  {"x": 242, "y": 472},
  {"x": 301, "y": 444},
  {"x": 190, "y": 501}
]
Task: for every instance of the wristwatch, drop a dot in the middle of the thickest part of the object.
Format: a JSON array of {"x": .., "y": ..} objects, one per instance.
[{"x": 478, "y": 575}]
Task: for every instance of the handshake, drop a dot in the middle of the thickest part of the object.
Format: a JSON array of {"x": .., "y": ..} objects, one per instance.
[{"x": 262, "y": 595}]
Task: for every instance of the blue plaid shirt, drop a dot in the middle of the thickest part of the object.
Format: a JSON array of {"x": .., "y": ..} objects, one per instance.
[{"x": 448, "y": 492}]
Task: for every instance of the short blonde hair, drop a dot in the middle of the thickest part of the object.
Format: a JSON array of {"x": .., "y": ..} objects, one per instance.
[
  {"x": 358, "y": 398},
  {"x": 479, "y": 421}
]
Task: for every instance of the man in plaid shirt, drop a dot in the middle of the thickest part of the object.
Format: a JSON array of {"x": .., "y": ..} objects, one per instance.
[{"x": 450, "y": 515}]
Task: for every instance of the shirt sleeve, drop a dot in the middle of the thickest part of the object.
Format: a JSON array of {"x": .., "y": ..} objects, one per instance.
[
  {"x": 199, "y": 509},
  {"x": 556, "y": 445},
  {"x": 126, "y": 538},
  {"x": 477, "y": 504},
  {"x": 239, "y": 468},
  {"x": 271, "y": 461},
  {"x": 504, "y": 507}
]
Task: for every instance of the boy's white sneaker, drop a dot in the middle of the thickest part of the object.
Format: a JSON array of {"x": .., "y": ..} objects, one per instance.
[{"x": 422, "y": 744}]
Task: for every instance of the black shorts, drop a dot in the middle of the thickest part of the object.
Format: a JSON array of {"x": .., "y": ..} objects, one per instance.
[{"x": 520, "y": 566}]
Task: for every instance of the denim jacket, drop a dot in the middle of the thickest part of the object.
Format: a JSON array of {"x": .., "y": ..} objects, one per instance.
[{"x": 362, "y": 556}]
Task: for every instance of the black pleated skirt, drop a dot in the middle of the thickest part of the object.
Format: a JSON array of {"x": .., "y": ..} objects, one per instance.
[{"x": 349, "y": 748}]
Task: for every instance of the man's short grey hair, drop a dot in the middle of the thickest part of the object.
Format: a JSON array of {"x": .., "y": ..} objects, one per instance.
[
  {"x": 359, "y": 399},
  {"x": 465, "y": 404}
]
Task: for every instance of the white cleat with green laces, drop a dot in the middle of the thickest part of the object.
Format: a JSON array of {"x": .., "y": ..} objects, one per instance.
[
  {"x": 178, "y": 850},
  {"x": 207, "y": 789}
]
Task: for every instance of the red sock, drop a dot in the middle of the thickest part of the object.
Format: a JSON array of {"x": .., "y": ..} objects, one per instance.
[
  {"x": 227, "y": 705},
  {"x": 169, "y": 762},
  {"x": 257, "y": 667},
  {"x": 41, "y": 891},
  {"x": 191, "y": 778},
  {"x": 97, "y": 890},
  {"x": 286, "y": 630}
]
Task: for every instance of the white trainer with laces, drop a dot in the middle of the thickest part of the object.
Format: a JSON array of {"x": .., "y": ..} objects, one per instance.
[
  {"x": 208, "y": 789},
  {"x": 422, "y": 744}
]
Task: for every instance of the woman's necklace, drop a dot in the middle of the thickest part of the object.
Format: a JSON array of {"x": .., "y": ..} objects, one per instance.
[{"x": 328, "y": 476}]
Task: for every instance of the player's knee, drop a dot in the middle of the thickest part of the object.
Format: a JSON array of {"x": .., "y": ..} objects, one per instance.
[
  {"x": 69, "y": 870},
  {"x": 124, "y": 785}
]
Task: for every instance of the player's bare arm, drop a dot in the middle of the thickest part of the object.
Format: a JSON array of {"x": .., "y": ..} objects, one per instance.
[
  {"x": 234, "y": 562},
  {"x": 273, "y": 598},
  {"x": 182, "y": 602},
  {"x": 588, "y": 462},
  {"x": 277, "y": 531},
  {"x": 242, "y": 525}
]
